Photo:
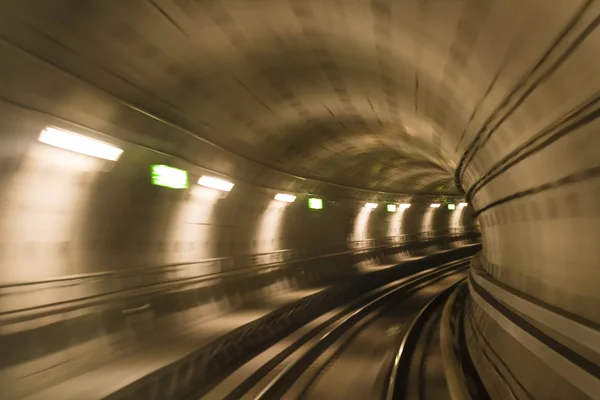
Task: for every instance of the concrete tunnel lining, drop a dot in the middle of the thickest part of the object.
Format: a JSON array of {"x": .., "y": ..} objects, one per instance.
[{"x": 350, "y": 100}]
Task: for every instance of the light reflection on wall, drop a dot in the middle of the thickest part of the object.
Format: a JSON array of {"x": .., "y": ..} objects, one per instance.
[
  {"x": 41, "y": 219},
  {"x": 42, "y": 208},
  {"x": 427, "y": 223},
  {"x": 269, "y": 227},
  {"x": 395, "y": 226},
  {"x": 361, "y": 222},
  {"x": 456, "y": 218},
  {"x": 58, "y": 161},
  {"x": 191, "y": 225}
]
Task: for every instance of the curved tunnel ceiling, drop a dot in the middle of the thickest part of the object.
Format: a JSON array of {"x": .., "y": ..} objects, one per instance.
[
  {"x": 360, "y": 93},
  {"x": 373, "y": 94}
]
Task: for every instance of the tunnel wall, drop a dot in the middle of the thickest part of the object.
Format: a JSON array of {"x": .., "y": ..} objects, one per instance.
[
  {"x": 94, "y": 259},
  {"x": 67, "y": 214},
  {"x": 73, "y": 228},
  {"x": 531, "y": 171}
]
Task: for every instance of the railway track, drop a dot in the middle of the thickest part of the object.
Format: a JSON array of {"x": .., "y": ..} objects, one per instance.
[{"x": 319, "y": 360}]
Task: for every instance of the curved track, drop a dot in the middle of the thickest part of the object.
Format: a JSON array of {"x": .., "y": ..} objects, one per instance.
[{"x": 347, "y": 353}]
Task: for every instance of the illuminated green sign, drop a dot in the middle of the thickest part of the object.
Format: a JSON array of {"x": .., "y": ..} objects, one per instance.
[
  {"x": 391, "y": 208},
  {"x": 315, "y": 204},
  {"x": 174, "y": 178},
  {"x": 451, "y": 206}
]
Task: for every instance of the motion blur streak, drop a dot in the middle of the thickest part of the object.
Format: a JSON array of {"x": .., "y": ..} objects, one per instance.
[
  {"x": 80, "y": 144},
  {"x": 489, "y": 102}
]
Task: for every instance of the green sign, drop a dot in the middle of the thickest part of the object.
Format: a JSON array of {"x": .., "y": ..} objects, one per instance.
[
  {"x": 451, "y": 206},
  {"x": 174, "y": 178},
  {"x": 315, "y": 204},
  {"x": 391, "y": 208}
]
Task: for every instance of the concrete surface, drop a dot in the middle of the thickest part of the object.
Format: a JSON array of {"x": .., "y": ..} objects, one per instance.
[{"x": 353, "y": 101}]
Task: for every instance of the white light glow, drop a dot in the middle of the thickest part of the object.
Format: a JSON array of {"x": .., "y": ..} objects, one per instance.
[
  {"x": 215, "y": 183},
  {"x": 372, "y": 206},
  {"x": 79, "y": 144},
  {"x": 287, "y": 198},
  {"x": 461, "y": 205},
  {"x": 395, "y": 227},
  {"x": 456, "y": 219},
  {"x": 46, "y": 213},
  {"x": 269, "y": 234},
  {"x": 361, "y": 222},
  {"x": 201, "y": 192},
  {"x": 435, "y": 205},
  {"x": 404, "y": 206},
  {"x": 191, "y": 224}
]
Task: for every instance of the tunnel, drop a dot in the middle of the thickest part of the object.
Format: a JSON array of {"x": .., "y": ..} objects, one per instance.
[{"x": 253, "y": 152}]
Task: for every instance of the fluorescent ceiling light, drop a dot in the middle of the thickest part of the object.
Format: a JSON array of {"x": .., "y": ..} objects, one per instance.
[
  {"x": 434, "y": 205},
  {"x": 391, "y": 208},
  {"x": 288, "y": 198},
  {"x": 315, "y": 204},
  {"x": 79, "y": 144},
  {"x": 404, "y": 206},
  {"x": 174, "y": 178},
  {"x": 215, "y": 183},
  {"x": 372, "y": 206},
  {"x": 461, "y": 205},
  {"x": 451, "y": 206}
]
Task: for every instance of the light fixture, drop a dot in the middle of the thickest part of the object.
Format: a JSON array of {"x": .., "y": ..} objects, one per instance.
[
  {"x": 287, "y": 198},
  {"x": 461, "y": 205},
  {"x": 404, "y": 206},
  {"x": 79, "y": 143},
  {"x": 391, "y": 208},
  {"x": 315, "y": 203},
  {"x": 174, "y": 178},
  {"x": 451, "y": 206},
  {"x": 435, "y": 205},
  {"x": 372, "y": 206},
  {"x": 215, "y": 183}
]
